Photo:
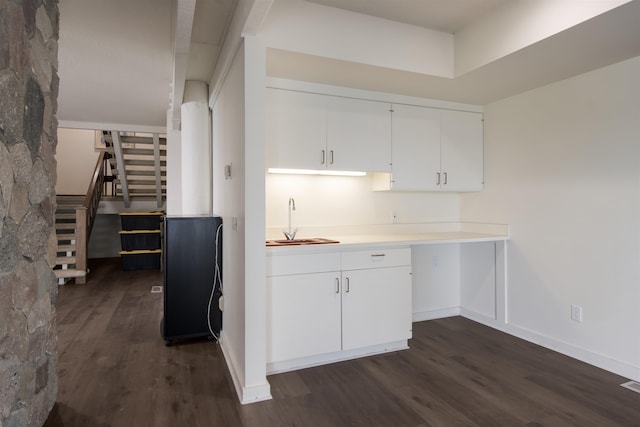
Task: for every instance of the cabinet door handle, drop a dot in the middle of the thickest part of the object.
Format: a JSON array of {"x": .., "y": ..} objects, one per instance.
[
  {"x": 438, "y": 174},
  {"x": 377, "y": 255},
  {"x": 323, "y": 158},
  {"x": 348, "y": 285},
  {"x": 337, "y": 285},
  {"x": 331, "y": 161},
  {"x": 445, "y": 178}
]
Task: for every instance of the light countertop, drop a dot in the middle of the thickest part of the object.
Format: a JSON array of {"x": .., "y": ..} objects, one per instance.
[{"x": 395, "y": 235}]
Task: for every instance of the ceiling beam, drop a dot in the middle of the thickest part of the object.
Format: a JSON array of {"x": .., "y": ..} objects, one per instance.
[
  {"x": 247, "y": 19},
  {"x": 183, "y": 26}
]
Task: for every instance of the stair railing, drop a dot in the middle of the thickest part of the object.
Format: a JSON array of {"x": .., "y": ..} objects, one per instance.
[
  {"x": 86, "y": 214},
  {"x": 122, "y": 173}
]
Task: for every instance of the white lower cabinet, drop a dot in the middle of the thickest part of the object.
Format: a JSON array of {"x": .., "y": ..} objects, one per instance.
[
  {"x": 376, "y": 306},
  {"x": 364, "y": 302},
  {"x": 303, "y": 315}
]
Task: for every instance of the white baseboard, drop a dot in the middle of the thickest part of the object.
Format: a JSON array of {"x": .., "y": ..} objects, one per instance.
[
  {"x": 435, "y": 314},
  {"x": 323, "y": 359},
  {"x": 256, "y": 393},
  {"x": 246, "y": 394},
  {"x": 598, "y": 360}
]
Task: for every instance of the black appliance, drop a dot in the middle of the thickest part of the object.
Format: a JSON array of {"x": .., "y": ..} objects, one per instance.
[{"x": 192, "y": 280}]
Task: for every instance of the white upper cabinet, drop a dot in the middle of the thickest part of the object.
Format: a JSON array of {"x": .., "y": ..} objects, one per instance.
[
  {"x": 358, "y": 135},
  {"x": 461, "y": 155},
  {"x": 313, "y": 131},
  {"x": 434, "y": 150},
  {"x": 415, "y": 148},
  {"x": 296, "y": 129}
]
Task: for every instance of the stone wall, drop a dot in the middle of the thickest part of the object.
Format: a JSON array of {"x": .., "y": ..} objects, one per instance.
[{"x": 28, "y": 102}]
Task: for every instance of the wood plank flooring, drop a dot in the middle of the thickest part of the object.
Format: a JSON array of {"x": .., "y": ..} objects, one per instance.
[{"x": 114, "y": 370}]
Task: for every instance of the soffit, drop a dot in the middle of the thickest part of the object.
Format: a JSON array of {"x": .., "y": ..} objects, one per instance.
[{"x": 442, "y": 15}]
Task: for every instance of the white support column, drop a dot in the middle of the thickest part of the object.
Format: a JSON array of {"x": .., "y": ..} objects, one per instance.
[{"x": 195, "y": 150}]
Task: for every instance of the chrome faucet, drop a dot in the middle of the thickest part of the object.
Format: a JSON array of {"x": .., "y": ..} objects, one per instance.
[{"x": 290, "y": 234}]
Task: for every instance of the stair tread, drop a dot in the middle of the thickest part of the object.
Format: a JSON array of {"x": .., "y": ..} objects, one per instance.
[
  {"x": 144, "y": 196},
  {"x": 65, "y": 225},
  {"x": 65, "y": 260},
  {"x": 65, "y": 216},
  {"x": 144, "y": 182},
  {"x": 66, "y": 248},
  {"x": 139, "y": 162},
  {"x": 148, "y": 150},
  {"x": 145, "y": 172},
  {"x": 142, "y": 140},
  {"x": 69, "y": 272}
]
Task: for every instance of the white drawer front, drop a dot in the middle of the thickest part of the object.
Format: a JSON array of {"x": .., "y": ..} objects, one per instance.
[
  {"x": 281, "y": 265},
  {"x": 377, "y": 258}
]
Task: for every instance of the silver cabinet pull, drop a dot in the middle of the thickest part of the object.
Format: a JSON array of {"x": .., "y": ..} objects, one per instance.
[
  {"x": 323, "y": 158},
  {"x": 445, "y": 178},
  {"x": 438, "y": 183},
  {"x": 331, "y": 158},
  {"x": 348, "y": 286},
  {"x": 377, "y": 255},
  {"x": 337, "y": 285}
]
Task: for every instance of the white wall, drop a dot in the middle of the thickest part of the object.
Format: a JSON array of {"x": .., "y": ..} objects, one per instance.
[
  {"x": 342, "y": 200},
  {"x": 256, "y": 385},
  {"x": 240, "y": 200},
  {"x": 76, "y": 157},
  {"x": 562, "y": 169},
  {"x": 228, "y": 202}
]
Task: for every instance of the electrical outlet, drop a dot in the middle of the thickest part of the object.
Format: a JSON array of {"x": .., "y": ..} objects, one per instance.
[{"x": 576, "y": 313}]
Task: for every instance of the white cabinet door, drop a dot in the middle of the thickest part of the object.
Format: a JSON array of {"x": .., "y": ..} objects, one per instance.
[
  {"x": 461, "y": 151},
  {"x": 376, "y": 306},
  {"x": 296, "y": 129},
  {"x": 415, "y": 148},
  {"x": 358, "y": 135},
  {"x": 303, "y": 315}
]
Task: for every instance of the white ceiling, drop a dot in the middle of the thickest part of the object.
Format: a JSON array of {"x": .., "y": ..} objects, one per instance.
[
  {"x": 116, "y": 58},
  {"x": 115, "y": 61}
]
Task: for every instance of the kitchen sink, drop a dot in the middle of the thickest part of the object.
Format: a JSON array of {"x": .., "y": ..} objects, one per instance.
[{"x": 300, "y": 242}]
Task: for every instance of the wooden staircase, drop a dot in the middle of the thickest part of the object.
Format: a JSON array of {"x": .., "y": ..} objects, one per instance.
[
  {"x": 74, "y": 220},
  {"x": 139, "y": 163},
  {"x": 68, "y": 236}
]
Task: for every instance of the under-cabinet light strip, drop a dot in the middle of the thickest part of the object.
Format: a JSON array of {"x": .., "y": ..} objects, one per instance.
[{"x": 315, "y": 172}]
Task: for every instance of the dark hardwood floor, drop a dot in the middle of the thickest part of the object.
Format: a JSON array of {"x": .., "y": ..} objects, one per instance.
[{"x": 114, "y": 370}]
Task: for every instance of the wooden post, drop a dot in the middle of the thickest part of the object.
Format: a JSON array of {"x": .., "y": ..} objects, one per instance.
[{"x": 81, "y": 242}]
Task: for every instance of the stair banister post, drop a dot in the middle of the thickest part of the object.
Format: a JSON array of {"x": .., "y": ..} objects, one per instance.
[{"x": 81, "y": 242}]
